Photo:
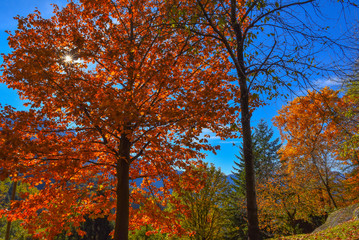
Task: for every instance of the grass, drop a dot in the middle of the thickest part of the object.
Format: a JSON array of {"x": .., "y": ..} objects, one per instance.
[{"x": 345, "y": 231}]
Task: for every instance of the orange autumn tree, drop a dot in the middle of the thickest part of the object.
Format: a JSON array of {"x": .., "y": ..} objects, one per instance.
[
  {"x": 311, "y": 127},
  {"x": 308, "y": 182},
  {"x": 314, "y": 176},
  {"x": 115, "y": 94}
]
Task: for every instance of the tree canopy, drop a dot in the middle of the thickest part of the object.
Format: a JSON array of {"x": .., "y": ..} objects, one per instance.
[{"x": 114, "y": 94}]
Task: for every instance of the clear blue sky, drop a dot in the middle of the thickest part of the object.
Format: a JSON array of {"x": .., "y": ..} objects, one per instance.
[{"x": 226, "y": 155}]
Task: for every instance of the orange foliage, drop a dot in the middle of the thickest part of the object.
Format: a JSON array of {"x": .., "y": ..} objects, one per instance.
[
  {"x": 311, "y": 128},
  {"x": 308, "y": 182},
  {"x": 131, "y": 80}
]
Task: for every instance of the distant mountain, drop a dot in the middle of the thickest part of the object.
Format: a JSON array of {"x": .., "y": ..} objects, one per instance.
[
  {"x": 229, "y": 178},
  {"x": 160, "y": 183},
  {"x": 157, "y": 184}
]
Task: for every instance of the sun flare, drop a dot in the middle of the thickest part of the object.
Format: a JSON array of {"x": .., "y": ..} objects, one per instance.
[{"x": 68, "y": 58}]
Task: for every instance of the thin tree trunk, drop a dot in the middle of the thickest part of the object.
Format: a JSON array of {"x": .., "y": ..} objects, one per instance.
[
  {"x": 325, "y": 183},
  {"x": 330, "y": 195},
  {"x": 122, "y": 190},
  {"x": 252, "y": 210},
  {"x": 8, "y": 225}
]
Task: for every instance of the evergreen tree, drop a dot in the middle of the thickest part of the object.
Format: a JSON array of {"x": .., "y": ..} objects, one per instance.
[{"x": 266, "y": 160}]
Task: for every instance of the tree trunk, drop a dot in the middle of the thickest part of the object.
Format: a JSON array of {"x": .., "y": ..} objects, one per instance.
[
  {"x": 330, "y": 195},
  {"x": 252, "y": 210},
  {"x": 122, "y": 190}
]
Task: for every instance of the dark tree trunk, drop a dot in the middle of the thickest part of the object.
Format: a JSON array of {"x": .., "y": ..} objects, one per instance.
[
  {"x": 252, "y": 210},
  {"x": 122, "y": 190}
]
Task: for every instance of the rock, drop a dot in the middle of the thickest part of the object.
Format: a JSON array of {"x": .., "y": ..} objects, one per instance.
[{"x": 340, "y": 216}]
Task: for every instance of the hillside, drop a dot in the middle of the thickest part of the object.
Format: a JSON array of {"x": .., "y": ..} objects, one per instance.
[
  {"x": 341, "y": 224},
  {"x": 345, "y": 231}
]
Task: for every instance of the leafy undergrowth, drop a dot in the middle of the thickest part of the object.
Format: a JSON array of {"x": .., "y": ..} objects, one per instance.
[{"x": 346, "y": 231}]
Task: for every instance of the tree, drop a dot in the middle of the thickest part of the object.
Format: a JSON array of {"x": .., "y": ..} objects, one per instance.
[
  {"x": 236, "y": 209},
  {"x": 9, "y": 191},
  {"x": 270, "y": 47},
  {"x": 310, "y": 180},
  {"x": 265, "y": 156},
  {"x": 206, "y": 206},
  {"x": 309, "y": 126},
  {"x": 114, "y": 94},
  {"x": 266, "y": 161}
]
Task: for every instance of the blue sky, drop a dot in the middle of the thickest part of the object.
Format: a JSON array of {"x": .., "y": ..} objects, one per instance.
[
  {"x": 229, "y": 148},
  {"x": 10, "y": 9}
]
